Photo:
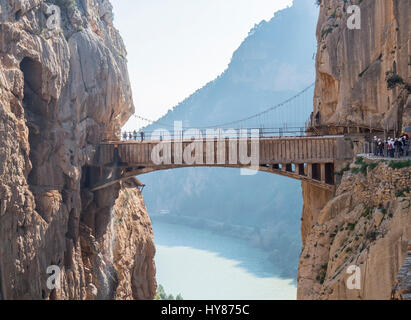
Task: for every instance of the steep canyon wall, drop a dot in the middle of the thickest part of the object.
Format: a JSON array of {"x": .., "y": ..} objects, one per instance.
[
  {"x": 61, "y": 90},
  {"x": 367, "y": 223},
  {"x": 352, "y": 65}
]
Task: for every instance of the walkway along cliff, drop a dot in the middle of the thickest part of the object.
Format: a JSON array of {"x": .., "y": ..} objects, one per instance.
[
  {"x": 58, "y": 89},
  {"x": 363, "y": 81}
]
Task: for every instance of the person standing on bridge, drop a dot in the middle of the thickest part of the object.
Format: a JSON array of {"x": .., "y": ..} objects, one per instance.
[
  {"x": 387, "y": 147},
  {"x": 125, "y": 136},
  {"x": 405, "y": 142},
  {"x": 380, "y": 148},
  {"x": 135, "y": 135},
  {"x": 391, "y": 147},
  {"x": 142, "y": 135},
  {"x": 375, "y": 144},
  {"x": 398, "y": 148}
]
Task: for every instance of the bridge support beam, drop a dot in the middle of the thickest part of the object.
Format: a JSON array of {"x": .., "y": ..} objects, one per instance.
[
  {"x": 310, "y": 170},
  {"x": 98, "y": 178},
  {"x": 329, "y": 173},
  {"x": 322, "y": 169},
  {"x": 288, "y": 167},
  {"x": 300, "y": 168},
  {"x": 316, "y": 171}
]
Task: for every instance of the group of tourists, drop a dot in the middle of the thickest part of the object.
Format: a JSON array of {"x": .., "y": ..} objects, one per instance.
[
  {"x": 133, "y": 135},
  {"x": 393, "y": 148}
]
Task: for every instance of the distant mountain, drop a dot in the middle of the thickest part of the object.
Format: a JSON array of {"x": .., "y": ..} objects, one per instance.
[{"x": 273, "y": 63}]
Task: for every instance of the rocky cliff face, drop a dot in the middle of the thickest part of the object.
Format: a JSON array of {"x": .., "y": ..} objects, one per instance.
[
  {"x": 133, "y": 247},
  {"x": 352, "y": 65},
  {"x": 61, "y": 91},
  {"x": 367, "y": 223}
]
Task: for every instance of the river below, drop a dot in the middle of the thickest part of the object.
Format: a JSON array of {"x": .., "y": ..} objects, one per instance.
[{"x": 202, "y": 265}]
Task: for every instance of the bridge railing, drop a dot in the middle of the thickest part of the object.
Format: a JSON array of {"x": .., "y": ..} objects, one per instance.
[
  {"x": 270, "y": 150},
  {"x": 165, "y": 135},
  {"x": 370, "y": 148}
]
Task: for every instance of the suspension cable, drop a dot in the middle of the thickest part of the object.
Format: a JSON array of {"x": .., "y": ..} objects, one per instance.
[{"x": 257, "y": 115}]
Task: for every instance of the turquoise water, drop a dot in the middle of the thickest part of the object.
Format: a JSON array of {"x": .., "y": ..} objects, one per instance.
[{"x": 202, "y": 265}]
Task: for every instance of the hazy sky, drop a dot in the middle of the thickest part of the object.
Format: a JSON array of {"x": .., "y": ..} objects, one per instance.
[{"x": 176, "y": 46}]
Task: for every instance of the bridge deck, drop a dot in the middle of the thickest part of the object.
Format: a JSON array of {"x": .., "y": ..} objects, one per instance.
[
  {"x": 271, "y": 151},
  {"x": 309, "y": 159}
]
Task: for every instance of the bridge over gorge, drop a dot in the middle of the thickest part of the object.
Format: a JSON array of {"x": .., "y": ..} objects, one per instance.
[
  {"x": 294, "y": 152},
  {"x": 310, "y": 159}
]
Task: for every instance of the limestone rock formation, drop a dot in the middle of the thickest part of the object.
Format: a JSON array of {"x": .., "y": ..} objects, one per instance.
[
  {"x": 363, "y": 80},
  {"x": 353, "y": 65},
  {"x": 61, "y": 91},
  {"x": 134, "y": 248},
  {"x": 367, "y": 225}
]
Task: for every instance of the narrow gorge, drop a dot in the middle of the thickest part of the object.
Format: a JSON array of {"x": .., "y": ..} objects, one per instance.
[{"x": 65, "y": 90}]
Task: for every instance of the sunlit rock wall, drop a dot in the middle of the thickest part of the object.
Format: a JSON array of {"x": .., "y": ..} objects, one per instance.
[{"x": 61, "y": 90}]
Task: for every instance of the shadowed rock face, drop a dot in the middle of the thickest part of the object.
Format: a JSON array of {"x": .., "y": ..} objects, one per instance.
[{"x": 60, "y": 91}]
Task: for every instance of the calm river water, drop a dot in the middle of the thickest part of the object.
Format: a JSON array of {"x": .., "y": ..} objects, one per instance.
[{"x": 202, "y": 265}]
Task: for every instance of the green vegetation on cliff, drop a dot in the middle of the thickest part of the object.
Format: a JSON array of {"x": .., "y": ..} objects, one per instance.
[{"x": 162, "y": 295}]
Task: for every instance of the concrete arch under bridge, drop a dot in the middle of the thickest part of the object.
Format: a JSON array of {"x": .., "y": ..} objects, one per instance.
[{"x": 310, "y": 159}]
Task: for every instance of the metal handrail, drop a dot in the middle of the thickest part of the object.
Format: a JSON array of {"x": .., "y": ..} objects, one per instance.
[{"x": 205, "y": 134}]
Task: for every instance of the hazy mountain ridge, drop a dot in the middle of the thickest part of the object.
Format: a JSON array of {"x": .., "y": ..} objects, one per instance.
[{"x": 266, "y": 69}]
